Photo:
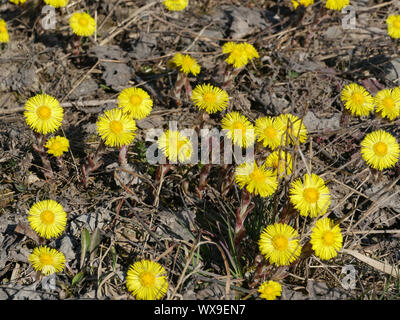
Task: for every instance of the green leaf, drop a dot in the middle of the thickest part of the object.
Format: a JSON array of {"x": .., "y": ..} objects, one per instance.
[
  {"x": 78, "y": 277},
  {"x": 85, "y": 243},
  {"x": 94, "y": 242}
]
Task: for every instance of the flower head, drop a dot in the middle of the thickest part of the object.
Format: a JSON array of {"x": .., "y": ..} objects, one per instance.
[
  {"x": 269, "y": 290},
  {"x": 175, "y": 5},
  {"x": 239, "y": 129},
  {"x": 311, "y": 198},
  {"x": 82, "y": 24},
  {"x": 47, "y": 260},
  {"x": 358, "y": 100},
  {"x": 135, "y": 102},
  {"x": 4, "y": 36},
  {"x": 116, "y": 128},
  {"x": 337, "y": 4},
  {"x": 209, "y": 98},
  {"x": 380, "y": 150},
  {"x": 18, "y": 1},
  {"x": 57, "y": 3},
  {"x": 294, "y": 130},
  {"x": 257, "y": 180},
  {"x": 278, "y": 243},
  {"x": 269, "y": 131},
  {"x": 326, "y": 239},
  {"x": 43, "y": 113},
  {"x": 239, "y": 53},
  {"x": 186, "y": 63},
  {"x": 393, "y": 26},
  {"x": 387, "y": 102},
  {"x": 175, "y": 146},
  {"x": 147, "y": 280},
  {"x": 47, "y": 218},
  {"x": 57, "y": 146},
  {"x": 304, "y": 3},
  {"x": 281, "y": 162}
]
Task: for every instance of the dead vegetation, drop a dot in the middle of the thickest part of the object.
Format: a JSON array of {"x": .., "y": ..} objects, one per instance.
[{"x": 306, "y": 57}]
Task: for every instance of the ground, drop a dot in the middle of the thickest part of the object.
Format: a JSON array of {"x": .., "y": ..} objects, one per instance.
[{"x": 306, "y": 56}]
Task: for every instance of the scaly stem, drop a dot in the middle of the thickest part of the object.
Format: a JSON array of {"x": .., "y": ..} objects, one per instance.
[
  {"x": 160, "y": 174},
  {"x": 246, "y": 206},
  {"x": 229, "y": 76},
  {"x": 39, "y": 148},
  {"x": 122, "y": 157},
  {"x": 92, "y": 163}
]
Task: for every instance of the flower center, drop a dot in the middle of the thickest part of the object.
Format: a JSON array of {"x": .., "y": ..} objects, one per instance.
[
  {"x": 135, "y": 100},
  {"x": 311, "y": 195},
  {"x": 56, "y": 146},
  {"x": 257, "y": 175},
  {"x": 187, "y": 62},
  {"x": 358, "y": 98},
  {"x": 147, "y": 279},
  {"x": 210, "y": 97},
  {"x": 237, "y": 125},
  {"x": 116, "y": 126},
  {"x": 270, "y": 132},
  {"x": 46, "y": 259},
  {"x": 380, "y": 149},
  {"x": 47, "y": 217},
  {"x": 328, "y": 238},
  {"x": 388, "y": 102},
  {"x": 43, "y": 112},
  {"x": 180, "y": 144},
  {"x": 3, "y": 29},
  {"x": 83, "y": 22},
  {"x": 280, "y": 243},
  {"x": 396, "y": 24}
]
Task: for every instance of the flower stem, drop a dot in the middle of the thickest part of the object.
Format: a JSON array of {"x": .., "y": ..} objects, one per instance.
[
  {"x": 39, "y": 148},
  {"x": 246, "y": 206},
  {"x": 92, "y": 163}
]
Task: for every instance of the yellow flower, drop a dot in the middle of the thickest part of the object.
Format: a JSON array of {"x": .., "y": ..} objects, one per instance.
[
  {"x": 82, "y": 24},
  {"x": 269, "y": 290},
  {"x": 116, "y": 128},
  {"x": 135, "y": 102},
  {"x": 380, "y": 150},
  {"x": 186, "y": 63},
  {"x": 269, "y": 131},
  {"x": 257, "y": 180},
  {"x": 4, "y": 36},
  {"x": 281, "y": 161},
  {"x": 393, "y": 26},
  {"x": 387, "y": 102},
  {"x": 18, "y": 1},
  {"x": 147, "y": 280},
  {"x": 47, "y": 218},
  {"x": 326, "y": 239},
  {"x": 47, "y": 260},
  {"x": 175, "y": 146},
  {"x": 175, "y": 5},
  {"x": 358, "y": 100},
  {"x": 304, "y": 3},
  {"x": 209, "y": 98},
  {"x": 278, "y": 243},
  {"x": 337, "y": 4},
  {"x": 311, "y": 197},
  {"x": 239, "y": 53},
  {"x": 57, "y": 146},
  {"x": 239, "y": 129},
  {"x": 294, "y": 130},
  {"x": 57, "y": 3},
  {"x": 43, "y": 113}
]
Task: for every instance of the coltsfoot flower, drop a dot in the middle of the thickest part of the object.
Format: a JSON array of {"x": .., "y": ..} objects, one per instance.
[
  {"x": 116, "y": 128},
  {"x": 281, "y": 162},
  {"x": 387, "y": 102},
  {"x": 279, "y": 244},
  {"x": 294, "y": 130},
  {"x": 269, "y": 131},
  {"x": 326, "y": 239},
  {"x": 147, "y": 280},
  {"x": 239, "y": 53},
  {"x": 135, "y": 102},
  {"x": 47, "y": 218},
  {"x": 82, "y": 24},
  {"x": 257, "y": 180},
  {"x": 57, "y": 146},
  {"x": 175, "y": 5},
  {"x": 337, "y": 4},
  {"x": 304, "y": 3},
  {"x": 47, "y": 260},
  {"x": 43, "y": 113},
  {"x": 209, "y": 98},
  {"x": 269, "y": 290},
  {"x": 380, "y": 150},
  {"x": 175, "y": 146},
  {"x": 357, "y": 100},
  {"x": 311, "y": 198},
  {"x": 18, "y": 1},
  {"x": 186, "y": 63},
  {"x": 57, "y": 3},
  {"x": 4, "y": 36},
  {"x": 393, "y": 26},
  {"x": 239, "y": 129}
]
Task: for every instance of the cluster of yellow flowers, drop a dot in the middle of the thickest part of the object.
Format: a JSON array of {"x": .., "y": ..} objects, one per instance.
[
  {"x": 379, "y": 149},
  {"x": 330, "y": 4}
]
